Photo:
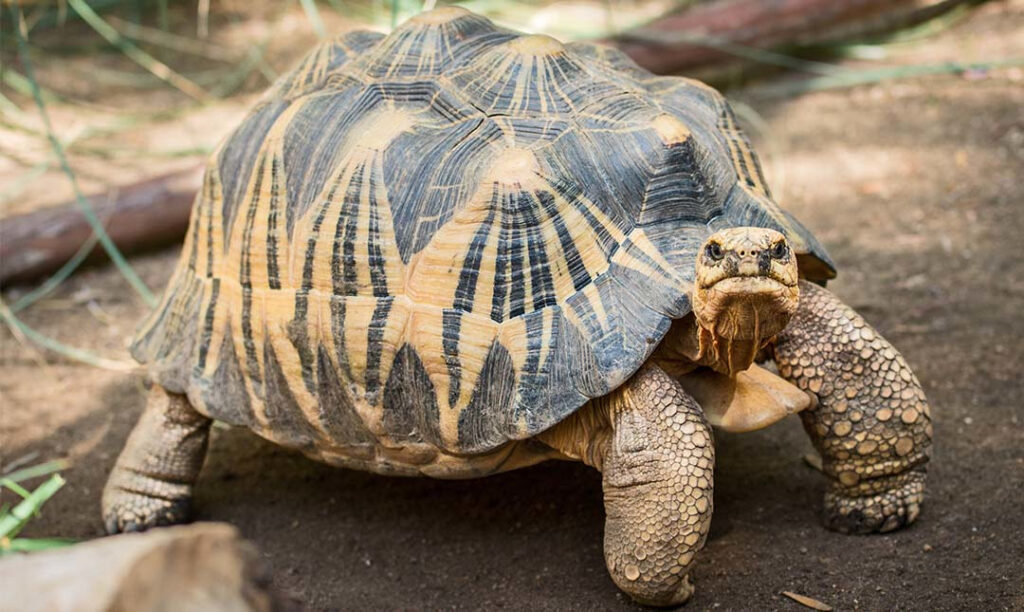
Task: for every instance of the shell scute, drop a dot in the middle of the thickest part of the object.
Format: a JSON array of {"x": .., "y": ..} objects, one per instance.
[
  {"x": 529, "y": 77},
  {"x": 323, "y": 66},
  {"x": 425, "y": 46}
]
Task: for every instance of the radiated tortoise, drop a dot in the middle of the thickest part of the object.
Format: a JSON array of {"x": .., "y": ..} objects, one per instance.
[{"x": 458, "y": 250}]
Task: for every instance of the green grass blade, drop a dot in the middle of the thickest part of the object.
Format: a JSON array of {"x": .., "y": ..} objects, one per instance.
[
  {"x": 163, "y": 18},
  {"x": 877, "y": 75},
  {"x": 174, "y": 42},
  {"x": 147, "y": 61},
  {"x": 21, "y": 84},
  {"x": 313, "y": 15},
  {"x": 27, "y": 545},
  {"x": 58, "y": 347},
  {"x": 12, "y": 522},
  {"x": 754, "y": 54},
  {"x": 17, "y": 488},
  {"x": 87, "y": 210},
  {"x": 58, "y": 277},
  {"x": 21, "y": 183},
  {"x": 10, "y": 108},
  {"x": 233, "y": 80},
  {"x": 43, "y": 469}
]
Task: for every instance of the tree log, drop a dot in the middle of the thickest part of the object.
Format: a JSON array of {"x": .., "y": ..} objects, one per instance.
[
  {"x": 144, "y": 215},
  {"x": 694, "y": 37}
]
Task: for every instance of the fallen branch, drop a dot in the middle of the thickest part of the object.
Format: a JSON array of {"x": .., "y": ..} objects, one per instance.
[
  {"x": 140, "y": 216},
  {"x": 716, "y": 33}
]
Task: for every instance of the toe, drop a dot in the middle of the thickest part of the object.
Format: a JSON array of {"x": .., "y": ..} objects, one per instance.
[
  {"x": 126, "y": 512},
  {"x": 677, "y": 597},
  {"x": 880, "y": 513}
]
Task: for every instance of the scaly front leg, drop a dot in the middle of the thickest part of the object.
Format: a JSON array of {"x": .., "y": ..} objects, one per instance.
[
  {"x": 655, "y": 448},
  {"x": 658, "y": 470},
  {"x": 872, "y": 424}
]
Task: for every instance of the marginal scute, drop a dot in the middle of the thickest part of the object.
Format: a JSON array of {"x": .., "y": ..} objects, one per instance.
[
  {"x": 410, "y": 405},
  {"x": 285, "y": 421},
  {"x": 227, "y": 389},
  {"x": 477, "y": 429},
  {"x": 337, "y": 409}
]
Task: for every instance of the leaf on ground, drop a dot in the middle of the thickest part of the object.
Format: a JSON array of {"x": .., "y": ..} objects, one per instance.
[
  {"x": 814, "y": 460},
  {"x": 810, "y": 602}
]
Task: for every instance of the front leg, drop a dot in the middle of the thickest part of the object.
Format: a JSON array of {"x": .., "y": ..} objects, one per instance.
[
  {"x": 872, "y": 424},
  {"x": 655, "y": 448}
]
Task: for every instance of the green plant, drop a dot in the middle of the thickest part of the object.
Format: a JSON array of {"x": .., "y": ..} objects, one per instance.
[{"x": 13, "y": 519}]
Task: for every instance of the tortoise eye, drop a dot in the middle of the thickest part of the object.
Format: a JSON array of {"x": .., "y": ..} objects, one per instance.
[
  {"x": 779, "y": 250},
  {"x": 713, "y": 251}
]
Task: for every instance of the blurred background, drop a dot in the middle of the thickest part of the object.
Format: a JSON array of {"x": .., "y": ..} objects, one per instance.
[{"x": 892, "y": 128}]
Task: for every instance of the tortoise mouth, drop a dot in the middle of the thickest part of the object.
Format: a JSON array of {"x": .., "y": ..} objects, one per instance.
[
  {"x": 750, "y": 285},
  {"x": 753, "y": 307}
]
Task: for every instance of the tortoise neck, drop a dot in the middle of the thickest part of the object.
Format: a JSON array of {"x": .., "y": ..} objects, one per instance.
[{"x": 689, "y": 345}]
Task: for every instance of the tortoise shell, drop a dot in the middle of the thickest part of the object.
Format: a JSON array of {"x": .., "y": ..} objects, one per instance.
[{"x": 455, "y": 235}]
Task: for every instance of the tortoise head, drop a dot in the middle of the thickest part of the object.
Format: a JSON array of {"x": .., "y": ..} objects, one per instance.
[{"x": 746, "y": 284}]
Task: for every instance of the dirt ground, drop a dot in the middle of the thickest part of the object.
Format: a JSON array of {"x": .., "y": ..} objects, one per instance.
[{"x": 915, "y": 188}]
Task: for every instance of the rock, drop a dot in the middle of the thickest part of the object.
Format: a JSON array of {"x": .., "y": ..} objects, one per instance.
[{"x": 205, "y": 566}]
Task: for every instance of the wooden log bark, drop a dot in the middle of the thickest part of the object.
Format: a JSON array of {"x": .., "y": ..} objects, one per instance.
[
  {"x": 693, "y": 38},
  {"x": 205, "y": 566},
  {"x": 144, "y": 215}
]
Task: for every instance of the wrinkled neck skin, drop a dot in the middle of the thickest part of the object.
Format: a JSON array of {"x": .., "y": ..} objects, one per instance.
[
  {"x": 729, "y": 325},
  {"x": 689, "y": 346},
  {"x": 744, "y": 293}
]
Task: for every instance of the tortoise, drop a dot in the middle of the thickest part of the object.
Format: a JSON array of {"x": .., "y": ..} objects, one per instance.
[{"x": 458, "y": 250}]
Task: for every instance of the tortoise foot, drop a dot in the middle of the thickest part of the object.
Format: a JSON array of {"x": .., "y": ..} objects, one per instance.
[
  {"x": 151, "y": 483},
  {"x": 682, "y": 595},
  {"x": 126, "y": 511},
  {"x": 877, "y": 513}
]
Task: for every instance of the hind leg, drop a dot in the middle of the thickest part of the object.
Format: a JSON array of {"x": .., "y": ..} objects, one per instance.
[
  {"x": 151, "y": 483},
  {"x": 872, "y": 424}
]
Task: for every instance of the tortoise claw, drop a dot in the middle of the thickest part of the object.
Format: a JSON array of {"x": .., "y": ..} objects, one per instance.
[
  {"x": 879, "y": 513},
  {"x": 127, "y": 512}
]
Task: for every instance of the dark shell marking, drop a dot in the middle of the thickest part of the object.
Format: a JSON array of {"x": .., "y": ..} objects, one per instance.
[{"x": 453, "y": 236}]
